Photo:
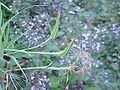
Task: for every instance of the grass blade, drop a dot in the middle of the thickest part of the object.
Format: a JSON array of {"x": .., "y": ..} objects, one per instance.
[
  {"x": 1, "y": 48},
  {"x": 5, "y": 7},
  {"x": 13, "y": 83},
  {"x": 67, "y": 49},
  {"x": 19, "y": 66},
  {"x": 5, "y": 25},
  {"x": 14, "y": 40},
  {"x": 0, "y": 16},
  {"x": 6, "y": 36},
  {"x": 56, "y": 27}
]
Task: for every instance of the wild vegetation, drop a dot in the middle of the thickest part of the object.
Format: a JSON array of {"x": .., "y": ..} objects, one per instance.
[{"x": 59, "y": 45}]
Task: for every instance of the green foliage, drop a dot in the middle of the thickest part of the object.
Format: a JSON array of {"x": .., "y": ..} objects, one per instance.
[
  {"x": 69, "y": 19},
  {"x": 55, "y": 29},
  {"x": 67, "y": 49},
  {"x": 8, "y": 54}
]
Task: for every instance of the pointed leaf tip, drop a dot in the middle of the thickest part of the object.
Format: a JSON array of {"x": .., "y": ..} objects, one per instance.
[
  {"x": 56, "y": 27},
  {"x": 67, "y": 49}
]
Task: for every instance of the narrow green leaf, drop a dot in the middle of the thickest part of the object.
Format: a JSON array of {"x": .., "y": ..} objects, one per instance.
[
  {"x": 5, "y": 7},
  {"x": 17, "y": 38},
  {"x": 13, "y": 82},
  {"x": 19, "y": 66},
  {"x": 5, "y": 25},
  {"x": 6, "y": 36},
  {"x": 55, "y": 29},
  {"x": 1, "y": 48},
  {"x": 0, "y": 16},
  {"x": 67, "y": 49}
]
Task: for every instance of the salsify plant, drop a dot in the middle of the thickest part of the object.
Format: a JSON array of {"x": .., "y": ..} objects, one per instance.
[{"x": 9, "y": 64}]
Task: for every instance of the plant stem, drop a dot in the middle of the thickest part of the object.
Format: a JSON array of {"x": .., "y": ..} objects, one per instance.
[
  {"x": 45, "y": 67},
  {"x": 23, "y": 51}
]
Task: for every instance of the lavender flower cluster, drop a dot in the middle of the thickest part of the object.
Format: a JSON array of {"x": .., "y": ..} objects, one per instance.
[{"x": 39, "y": 81}]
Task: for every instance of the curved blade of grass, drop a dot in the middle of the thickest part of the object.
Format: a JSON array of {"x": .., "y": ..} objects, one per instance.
[
  {"x": 13, "y": 83},
  {"x": 15, "y": 80},
  {"x": 50, "y": 64},
  {"x": 67, "y": 49},
  {"x": 56, "y": 27},
  {"x": 5, "y": 25},
  {"x": 5, "y": 7},
  {"x": 19, "y": 66}
]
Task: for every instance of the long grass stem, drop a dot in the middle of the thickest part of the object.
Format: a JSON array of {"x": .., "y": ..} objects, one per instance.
[
  {"x": 44, "y": 67},
  {"x": 23, "y": 51}
]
